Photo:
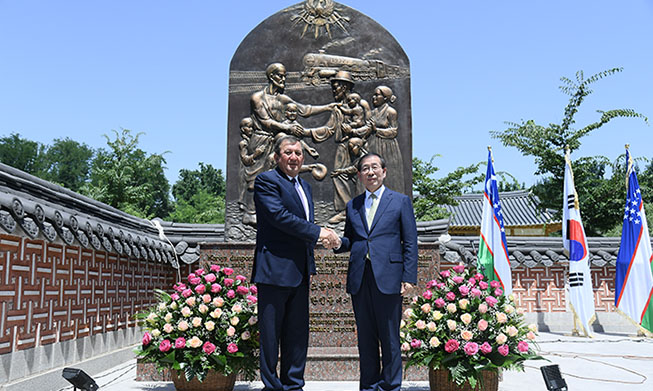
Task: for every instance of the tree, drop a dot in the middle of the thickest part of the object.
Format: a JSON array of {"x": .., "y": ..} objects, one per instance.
[
  {"x": 126, "y": 177},
  {"x": 547, "y": 144},
  {"x": 23, "y": 154},
  {"x": 68, "y": 163},
  {"x": 199, "y": 196},
  {"x": 431, "y": 192}
]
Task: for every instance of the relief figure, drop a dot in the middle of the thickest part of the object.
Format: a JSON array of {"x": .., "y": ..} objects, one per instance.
[{"x": 382, "y": 139}]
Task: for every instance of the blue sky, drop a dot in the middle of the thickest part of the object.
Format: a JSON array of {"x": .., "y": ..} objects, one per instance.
[{"x": 81, "y": 68}]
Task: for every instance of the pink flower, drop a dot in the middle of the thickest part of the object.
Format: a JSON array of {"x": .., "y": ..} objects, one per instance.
[
  {"x": 498, "y": 292},
  {"x": 415, "y": 343},
  {"x": 180, "y": 343},
  {"x": 241, "y": 278},
  {"x": 471, "y": 281},
  {"x": 215, "y": 288},
  {"x": 476, "y": 292},
  {"x": 440, "y": 285},
  {"x": 491, "y": 301},
  {"x": 191, "y": 276},
  {"x": 439, "y": 302},
  {"x": 451, "y": 346},
  {"x": 430, "y": 284},
  {"x": 464, "y": 290},
  {"x": 457, "y": 279},
  {"x": 427, "y": 294},
  {"x": 210, "y": 278},
  {"x": 482, "y": 308},
  {"x": 186, "y": 292},
  {"x": 253, "y": 289},
  {"x": 174, "y": 296},
  {"x": 231, "y": 294},
  {"x": 471, "y": 348},
  {"x": 232, "y": 348},
  {"x": 450, "y": 296},
  {"x": 206, "y": 298},
  {"x": 479, "y": 277},
  {"x": 445, "y": 273},
  {"x": 482, "y": 324},
  {"x": 228, "y": 281},
  {"x": 200, "y": 289},
  {"x": 195, "y": 280},
  {"x": 208, "y": 347},
  {"x": 252, "y": 299},
  {"x": 215, "y": 268},
  {"x": 459, "y": 268},
  {"x": 483, "y": 285},
  {"x": 495, "y": 284},
  {"x": 242, "y": 290},
  {"x": 522, "y": 346},
  {"x": 228, "y": 271},
  {"x": 200, "y": 271},
  {"x": 147, "y": 338},
  {"x": 179, "y": 287},
  {"x": 486, "y": 348},
  {"x": 503, "y": 350},
  {"x": 165, "y": 345}
]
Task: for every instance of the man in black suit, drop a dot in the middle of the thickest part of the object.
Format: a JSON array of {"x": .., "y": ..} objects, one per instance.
[
  {"x": 381, "y": 234},
  {"x": 283, "y": 263}
]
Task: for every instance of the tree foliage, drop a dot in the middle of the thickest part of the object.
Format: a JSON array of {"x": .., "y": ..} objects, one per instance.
[
  {"x": 432, "y": 192},
  {"x": 126, "y": 177},
  {"x": 23, "y": 154},
  {"x": 68, "y": 163},
  {"x": 597, "y": 194},
  {"x": 199, "y": 196}
]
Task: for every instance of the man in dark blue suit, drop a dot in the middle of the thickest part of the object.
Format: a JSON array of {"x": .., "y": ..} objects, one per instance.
[
  {"x": 381, "y": 234},
  {"x": 283, "y": 263}
]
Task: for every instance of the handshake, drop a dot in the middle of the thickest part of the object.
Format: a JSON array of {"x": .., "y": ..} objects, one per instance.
[{"x": 329, "y": 238}]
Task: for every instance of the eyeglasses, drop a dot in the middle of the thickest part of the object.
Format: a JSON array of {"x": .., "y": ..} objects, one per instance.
[{"x": 373, "y": 167}]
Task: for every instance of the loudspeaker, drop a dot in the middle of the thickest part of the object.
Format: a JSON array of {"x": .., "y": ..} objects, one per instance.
[
  {"x": 553, "y": 378},
  {"x": 79, "y": 379}
]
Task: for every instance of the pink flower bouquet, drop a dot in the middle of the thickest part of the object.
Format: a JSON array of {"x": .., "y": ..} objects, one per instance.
[
  {"x": 208, "y": 323},
  {"x": 465, "y": 324}
]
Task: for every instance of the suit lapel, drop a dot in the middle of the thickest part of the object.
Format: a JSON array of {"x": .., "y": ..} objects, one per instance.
[
  {"x": 285, "y": 182},
  {"x": 385, "y": 200},
  {"x": 359, "y": 206}
]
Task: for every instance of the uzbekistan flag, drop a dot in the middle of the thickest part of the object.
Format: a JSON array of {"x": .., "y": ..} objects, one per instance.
[
  {"x": 634, "y": 280},
  {"x": 581, "y": 294},
  {"x": 493, "y": 249}
]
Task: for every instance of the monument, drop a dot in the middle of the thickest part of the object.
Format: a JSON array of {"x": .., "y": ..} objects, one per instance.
[
  {"x": 340, "y": 82},
  {"x": 333, "y": 77}
]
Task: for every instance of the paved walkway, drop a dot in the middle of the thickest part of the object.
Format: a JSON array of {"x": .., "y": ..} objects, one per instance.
[{"x": 605, "y": 363}]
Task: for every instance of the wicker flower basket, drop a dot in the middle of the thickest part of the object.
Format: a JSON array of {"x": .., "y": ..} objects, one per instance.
[
  {"x": 214, "y": 381},
  {"x": 439, "y": 381}
]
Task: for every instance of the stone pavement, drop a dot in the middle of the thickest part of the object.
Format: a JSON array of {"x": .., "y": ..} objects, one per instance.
[{"x": 607, "y": 362}]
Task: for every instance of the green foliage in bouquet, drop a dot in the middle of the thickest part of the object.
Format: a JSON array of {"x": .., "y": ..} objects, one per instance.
[
  {"x": 209, "y": 324},
  {"x": 465, "y": 324}
]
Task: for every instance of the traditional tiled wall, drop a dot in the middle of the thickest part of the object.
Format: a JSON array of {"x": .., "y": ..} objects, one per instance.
[
  {"x": 54, "y": 293},
  {"x": 542, "y": 289}
]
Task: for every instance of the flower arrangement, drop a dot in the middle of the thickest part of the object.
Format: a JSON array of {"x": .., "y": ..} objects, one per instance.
[
  {"x": 465, "y": 324},
  {"x": 210, "y": 324}
]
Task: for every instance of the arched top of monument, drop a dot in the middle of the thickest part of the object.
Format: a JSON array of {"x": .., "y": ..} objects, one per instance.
[{"x": 324, "y": 34}]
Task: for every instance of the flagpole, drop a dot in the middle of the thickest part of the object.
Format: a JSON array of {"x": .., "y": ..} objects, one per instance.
[{"x": 489, "y": 148}]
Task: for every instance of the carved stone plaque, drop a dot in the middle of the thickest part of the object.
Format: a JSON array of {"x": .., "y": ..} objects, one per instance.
[{"x": 336, "y": 79}]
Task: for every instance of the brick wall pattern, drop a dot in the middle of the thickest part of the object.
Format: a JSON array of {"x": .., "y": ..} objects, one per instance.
[{"x": 53, "y": 293}]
